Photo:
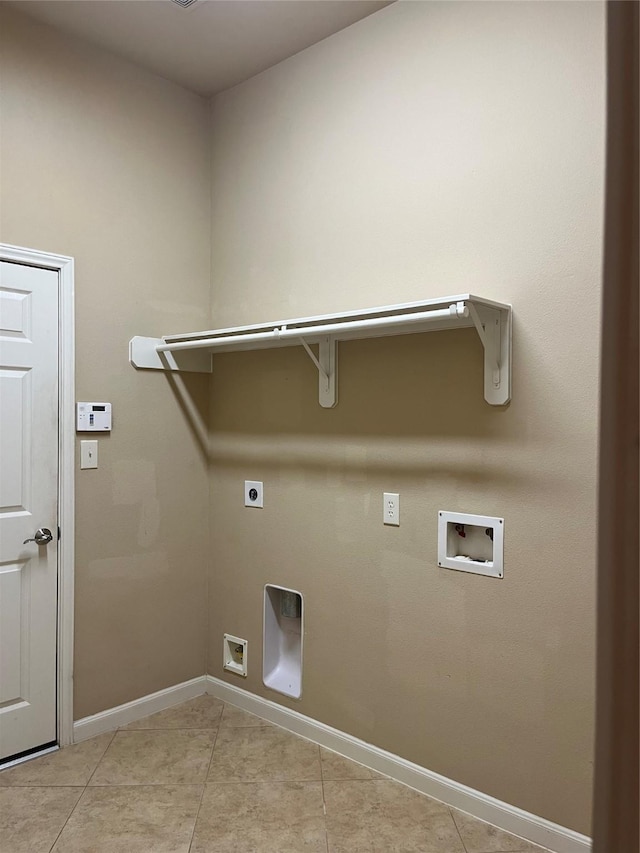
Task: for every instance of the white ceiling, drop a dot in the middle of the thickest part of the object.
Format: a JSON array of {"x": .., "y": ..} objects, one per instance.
[{"x": 206, "y": 47}]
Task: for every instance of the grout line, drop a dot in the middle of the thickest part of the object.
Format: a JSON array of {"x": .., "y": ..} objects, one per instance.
[
  {"x": 324, "y": 804},
  {"x": 514, "y": 850},
  {"x": 82, "y": 793},
  {"x": 262, "y": 779},
  {"x": 215, "y": 741},
  {"x": 84, "y": 789},
  {"x": 457, "y": 830},
  {"x": 206, "y": 776},
  {"x": 113, "y": 734},
  {"x": 39, "y": 785},
  {"x": 195, "y": 822},
  {"x": 165, "y": 784},
  {"x": 132, "y": 785},
  {"x": 126, "y": 729}
]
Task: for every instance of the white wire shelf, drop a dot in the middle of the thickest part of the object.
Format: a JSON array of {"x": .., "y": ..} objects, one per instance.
[{"x": 192, "y": 351}]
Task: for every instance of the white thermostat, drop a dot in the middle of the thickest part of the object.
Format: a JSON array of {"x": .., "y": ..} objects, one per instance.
[{"x": 93, "y": 417}]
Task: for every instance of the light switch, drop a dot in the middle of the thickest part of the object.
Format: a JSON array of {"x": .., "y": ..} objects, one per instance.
[{"x": 89, "y": 454}]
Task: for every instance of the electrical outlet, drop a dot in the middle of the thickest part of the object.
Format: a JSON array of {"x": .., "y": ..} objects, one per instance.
[
  {"x": 391, "y": 508},
  {"x": 253, "y": 493}
]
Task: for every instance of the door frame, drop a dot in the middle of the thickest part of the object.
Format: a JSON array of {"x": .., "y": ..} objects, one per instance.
[{"x": 63, "y": 265}]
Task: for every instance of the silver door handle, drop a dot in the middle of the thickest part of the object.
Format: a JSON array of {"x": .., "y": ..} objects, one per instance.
[{"x": 43, "y": 537}]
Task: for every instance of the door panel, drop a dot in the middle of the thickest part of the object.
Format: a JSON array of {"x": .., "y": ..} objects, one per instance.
[
  {"x": 11, "y": 631},
  {"x": 15, "y": 393},
  {"x": 28, "y": 500}
]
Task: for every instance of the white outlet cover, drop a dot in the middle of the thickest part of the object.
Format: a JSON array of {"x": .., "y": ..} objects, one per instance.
[
  {"x": 253, "y": 493},
  {"x": 391, "y": 508}
]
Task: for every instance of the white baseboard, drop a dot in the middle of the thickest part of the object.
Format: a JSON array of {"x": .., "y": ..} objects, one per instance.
[
  {"x": 111, "y": 719},
  {"x": 509, "y": 818}
]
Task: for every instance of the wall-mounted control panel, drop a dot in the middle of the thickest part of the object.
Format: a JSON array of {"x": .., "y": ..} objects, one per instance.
[
  {"x": 471, "y": 543},
  {"x": 93, "y": 417}
]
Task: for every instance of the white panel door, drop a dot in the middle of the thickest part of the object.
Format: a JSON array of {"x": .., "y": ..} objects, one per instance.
[{"x": 28, "y": 501}]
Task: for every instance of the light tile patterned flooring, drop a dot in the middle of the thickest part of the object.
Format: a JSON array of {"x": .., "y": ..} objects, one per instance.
[{"x": 205, "y": 776}]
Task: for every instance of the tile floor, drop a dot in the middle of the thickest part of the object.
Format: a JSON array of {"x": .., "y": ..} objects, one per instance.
[{"x": 205, "y": 776}]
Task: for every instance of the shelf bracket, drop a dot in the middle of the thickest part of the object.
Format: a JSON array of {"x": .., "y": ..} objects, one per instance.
[
  {"x": 327, "y": 364},
  {"x": 493, "y": 326},
  {"x": 143, "y": 355}
]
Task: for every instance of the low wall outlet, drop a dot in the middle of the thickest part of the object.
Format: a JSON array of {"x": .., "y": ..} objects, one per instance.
[
  {"x": 253, "y": 493},
  {"x": 234, "y": 655}
]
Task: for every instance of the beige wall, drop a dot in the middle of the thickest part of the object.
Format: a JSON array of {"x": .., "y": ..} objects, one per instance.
[
  {"x": 427, "y": 150},
  {"x": 107, "y": 163}
]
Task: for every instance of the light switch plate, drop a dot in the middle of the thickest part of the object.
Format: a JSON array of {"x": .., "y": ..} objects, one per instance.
[{"x": 89, "y": 454}]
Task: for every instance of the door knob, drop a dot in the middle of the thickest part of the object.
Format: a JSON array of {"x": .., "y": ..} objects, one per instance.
[{"x": 43, "y": 537}]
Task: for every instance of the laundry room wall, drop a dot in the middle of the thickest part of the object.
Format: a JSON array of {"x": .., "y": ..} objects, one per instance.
[
  {"x": 430, "y": 149},
  {"x": 110, "y": 164}
]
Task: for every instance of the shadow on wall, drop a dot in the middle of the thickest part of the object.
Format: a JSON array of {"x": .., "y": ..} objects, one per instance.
[
  {"x": 410, "y": 403},
  {"x": 192, "y": 392},
  {"x": 423, "y": 385}
]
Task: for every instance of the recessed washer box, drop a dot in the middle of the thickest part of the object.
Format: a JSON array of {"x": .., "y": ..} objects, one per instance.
[
  {"x": 471, "y": 543},
  {"x": 234, "y": 654}
]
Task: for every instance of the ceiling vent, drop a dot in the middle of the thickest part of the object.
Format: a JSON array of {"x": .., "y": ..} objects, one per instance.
[{"x": 184, "y": 3}]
